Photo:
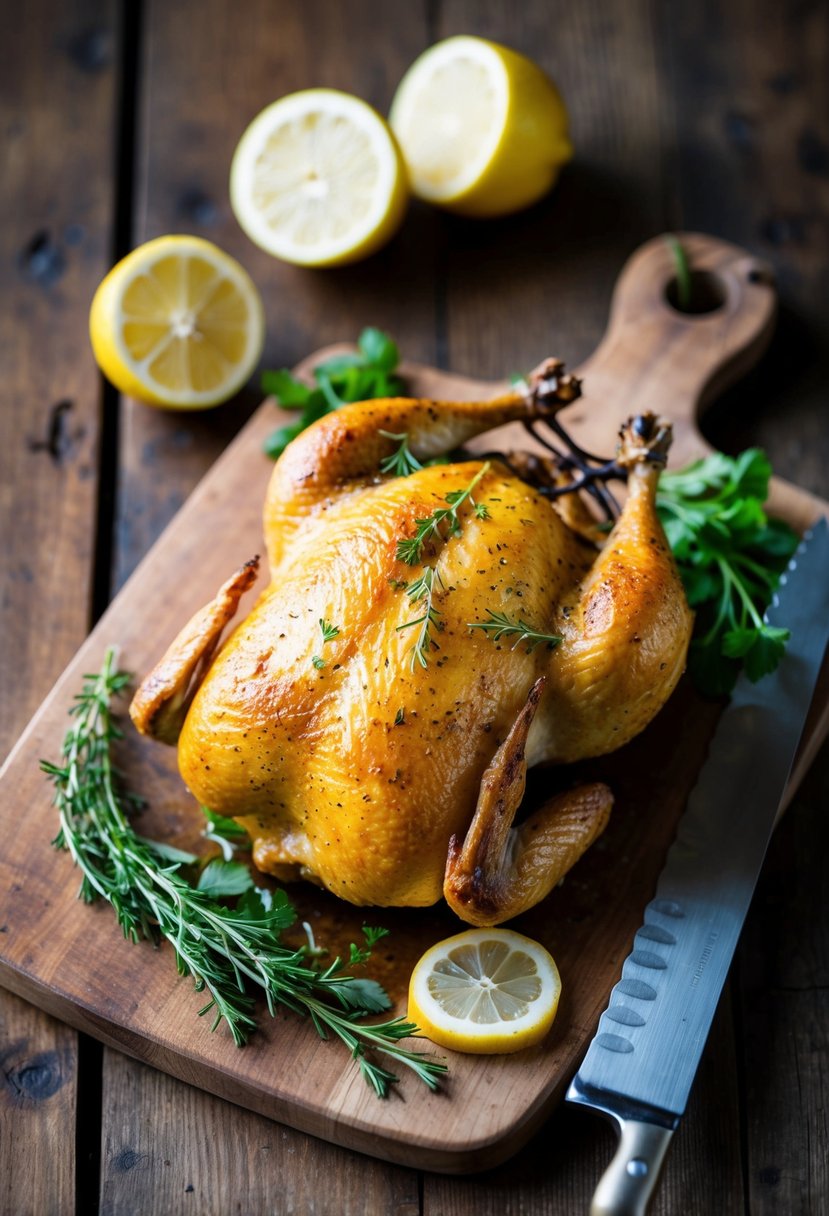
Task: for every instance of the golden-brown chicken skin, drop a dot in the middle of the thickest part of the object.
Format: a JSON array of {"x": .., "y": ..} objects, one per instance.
[{"x": 388, "y": 771}]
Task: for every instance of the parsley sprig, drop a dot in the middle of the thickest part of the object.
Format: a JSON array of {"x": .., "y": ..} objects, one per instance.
[
  {"x": 225, "y": 950},
  {"x": 366, "y": 374},
  {"x": 410, "y": 549},
  {"x": 730, "y": 556},
  {"x": 499, "y": 626}
]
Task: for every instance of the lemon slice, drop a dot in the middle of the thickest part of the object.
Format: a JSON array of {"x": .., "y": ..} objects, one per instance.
[
  {"x": 318, "y": 179},
  {"x": 487, "y": 991},
  {"x": 482, "y": 128},
  {"x": 177, "y": 323}
]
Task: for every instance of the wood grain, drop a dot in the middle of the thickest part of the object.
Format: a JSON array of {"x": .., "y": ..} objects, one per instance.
[
  {"x": 56, "y": 114},
  {"x": 75, "y": 964},
  {"x": 171, "y": 1148},
  {"x": 196, "y": 107},
  {"x": 38, "y": 1094}
]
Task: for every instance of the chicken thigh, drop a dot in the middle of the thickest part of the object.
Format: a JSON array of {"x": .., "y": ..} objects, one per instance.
[{"x": 423, "y": 640}]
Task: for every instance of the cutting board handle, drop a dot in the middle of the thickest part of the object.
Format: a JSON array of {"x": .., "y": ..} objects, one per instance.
[{"x": 655, "y": 357}]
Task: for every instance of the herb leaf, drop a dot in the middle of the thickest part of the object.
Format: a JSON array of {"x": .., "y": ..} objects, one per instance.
[
  {"x": 229, "y": 835},
  {"x": 362, "y": 376},
  {"x": 378, "y": 349},
  {"x": 223, "y": 878},
  {"x": 499, "y": 625},
  {"x": 730, "y": 557},
  {"x": 329, "y": 631},
  {"x": 224, "y": 950},
  {"x": 421, "y": 591},
  {"x": 410, "y": 549},
  {"x": 402, "y": 462}
]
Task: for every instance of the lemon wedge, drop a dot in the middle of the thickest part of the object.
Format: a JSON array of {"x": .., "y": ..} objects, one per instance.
[
  {"x": 177, "y": 323},
  {"x": 318, "y": 179},
  {"x": 482, "y": 128},
  {"x": 487, "y": 991}
]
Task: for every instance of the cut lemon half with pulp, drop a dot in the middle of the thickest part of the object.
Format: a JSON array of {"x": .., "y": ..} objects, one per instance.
[
  {"x": 177, "y": 323},
  {"x": 318, "y": 179},
  {"x": 488, "y": 991},
  {"x": 482, "y": 128}
]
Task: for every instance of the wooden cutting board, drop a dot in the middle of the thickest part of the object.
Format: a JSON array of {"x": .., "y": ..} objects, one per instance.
[{"x": 70, "y": 959}]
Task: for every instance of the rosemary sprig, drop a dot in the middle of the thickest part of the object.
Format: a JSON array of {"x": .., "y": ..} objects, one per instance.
[
  {"x": 499, "y": 625},
  {"x": 402, "y": 462},
  {"x": 410, "y": 550},
  {"x": 329, "y": 632},
  {"x": 422, "y": 591},
  {"x": 223, "y": 949}
]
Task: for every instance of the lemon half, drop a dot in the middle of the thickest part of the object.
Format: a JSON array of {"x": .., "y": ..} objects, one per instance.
[
  {"x": 487, "y": 991},
  {"x": 318, "y": 179},
  {"x": 482, "y": 128},
  {"x": 177, "y": 323}
]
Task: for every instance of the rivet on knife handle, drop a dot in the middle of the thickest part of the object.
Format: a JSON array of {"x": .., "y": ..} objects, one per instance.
[{"x": 628, "y": 1183}]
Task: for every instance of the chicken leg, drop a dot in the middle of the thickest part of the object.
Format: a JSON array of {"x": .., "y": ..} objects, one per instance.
[
  {"x": 625, "y": 630},
  {"x": 344, "y": 450}
]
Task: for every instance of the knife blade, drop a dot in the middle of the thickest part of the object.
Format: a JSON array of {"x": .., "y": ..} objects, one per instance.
[{"x": 641, "y": 1064}]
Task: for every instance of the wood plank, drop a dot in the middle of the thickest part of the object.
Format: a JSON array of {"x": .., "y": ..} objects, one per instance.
[
  {"x": 38, "y": 1095},
  {"x": 539, "y": 283},
  {"x": 169, "y": 1148},
  {"x": 749, "y": 83},
  {"x": 188, "y": 133},
  {"x": 751, "y": 163},
  {"x": 784, "y": 975},
  {"x": 57, "y": 105},
  {"x": 57, "y": 63},
  {"x": 207, "y": 71}
]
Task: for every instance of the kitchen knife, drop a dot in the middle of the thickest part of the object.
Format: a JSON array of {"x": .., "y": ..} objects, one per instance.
[{"x": 640, "y": 1066}]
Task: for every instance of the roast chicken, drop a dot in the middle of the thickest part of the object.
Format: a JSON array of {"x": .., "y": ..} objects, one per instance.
[{"x": 423, "y": 640}]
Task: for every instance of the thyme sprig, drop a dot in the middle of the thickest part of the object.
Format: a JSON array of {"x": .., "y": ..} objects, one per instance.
[
  {"x": 410, "y": 550},
  {"x": 403, "y": 461},
  {"x": 329, "y": 632},
  {"x": 422, "y": 591},
  {"x": 224, "y": 950},
  {"x": 499, "y": 626}
]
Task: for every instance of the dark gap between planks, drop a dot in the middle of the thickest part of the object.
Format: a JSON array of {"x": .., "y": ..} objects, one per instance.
[
  {"x": 124, "y": 154},
  {"x": 88, "y": 1130}
]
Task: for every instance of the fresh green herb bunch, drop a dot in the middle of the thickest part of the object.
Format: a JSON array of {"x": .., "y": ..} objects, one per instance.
[
  {"x": 223, "y": 949},
  {"x": 362, "y": 376},
  {"x": 730, "y": 556}
]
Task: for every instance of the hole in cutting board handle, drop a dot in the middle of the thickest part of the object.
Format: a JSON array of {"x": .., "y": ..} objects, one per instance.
[{"x": 708, "y": 294}]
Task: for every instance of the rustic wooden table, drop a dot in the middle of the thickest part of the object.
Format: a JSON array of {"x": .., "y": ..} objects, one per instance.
[{"x": 119, "y": 121}]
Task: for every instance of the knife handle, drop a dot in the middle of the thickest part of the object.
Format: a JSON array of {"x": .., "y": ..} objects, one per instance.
[{"x": 628, "y": 1184}]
